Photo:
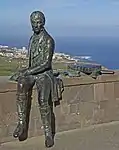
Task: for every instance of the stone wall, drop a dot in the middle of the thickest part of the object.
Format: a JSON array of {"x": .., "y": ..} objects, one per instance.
[{"x": 85, "y": 102}]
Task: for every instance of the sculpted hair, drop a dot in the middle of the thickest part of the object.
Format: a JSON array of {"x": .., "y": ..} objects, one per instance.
[{"x": 38, "y": 14}]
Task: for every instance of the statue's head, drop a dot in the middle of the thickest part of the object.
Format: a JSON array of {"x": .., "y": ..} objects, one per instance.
[{"x": 37, "y": 19}]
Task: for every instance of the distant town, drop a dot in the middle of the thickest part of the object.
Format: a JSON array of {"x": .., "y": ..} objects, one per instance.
[{"x": 14, "y": 52}]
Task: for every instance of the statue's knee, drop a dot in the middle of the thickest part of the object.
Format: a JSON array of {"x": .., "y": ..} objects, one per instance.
[
  {"x": 45, "y": 109},
  {"x": 44, "y": 105}
]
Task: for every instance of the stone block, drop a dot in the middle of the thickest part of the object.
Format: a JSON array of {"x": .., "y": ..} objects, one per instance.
[
  {"x": 38, "y": 127},
  {"x": 3, "y": 131},
  {"x": 8, "y": 102},
  {"x": 32, "y": 124},
  {"x": 38, "y": 123},
  {"x": 86, "y": 93},
  {"x": 71, "y": 95},
  {"x": 112, "y": 111},
  {"x": 65, "y": 109},
  {"x": 70, "y": 122},
  {"x": 103, "y": 104},
  {"x": 116, "y": 90},
  {"x": 99, "y": 92},
  {"x": 109, "y": 91},
  {"x": 87, "y": 111},
  {"x": 61, "y": 119},
  {"x": 57, "y": 111},
  {"x": 35, "y": 112},
  {"x": 11, "y": 128},
  {"x": 73, "y": 108},
  {"x": 99, "y": 117},
  {"x": 74, "y": 95}
]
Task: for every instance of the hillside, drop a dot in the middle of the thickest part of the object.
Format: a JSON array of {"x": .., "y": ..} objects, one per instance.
[{"x": 10, "y": 65}]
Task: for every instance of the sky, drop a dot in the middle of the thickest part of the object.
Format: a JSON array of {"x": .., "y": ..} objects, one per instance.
[{"x": 63, "y": 17}]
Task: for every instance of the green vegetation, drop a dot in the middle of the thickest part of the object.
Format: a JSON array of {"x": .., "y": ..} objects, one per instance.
[
  {"x": 59, "y": 65},
  {"x": 9, "y": 66}
]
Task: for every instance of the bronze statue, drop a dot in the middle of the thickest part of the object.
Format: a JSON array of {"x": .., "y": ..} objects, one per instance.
[{"x": 39, "y": 72}]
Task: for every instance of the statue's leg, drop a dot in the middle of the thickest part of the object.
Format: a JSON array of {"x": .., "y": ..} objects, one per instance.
[
  {"x": 28, "y": 109},
  {"x": 44, "y": 91},
  {"x": 24, "y": 88},
  {"x": 52, "y": 116}
]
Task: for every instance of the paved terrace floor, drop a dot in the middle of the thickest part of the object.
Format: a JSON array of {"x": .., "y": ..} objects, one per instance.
[{"x": 99, "y": 137}]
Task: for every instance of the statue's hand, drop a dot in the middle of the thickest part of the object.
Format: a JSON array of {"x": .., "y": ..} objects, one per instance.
[
  {"x": 15, "y": 76},
  {"x": 26, "y": 72},
  {"x": 19, "y": 73}
]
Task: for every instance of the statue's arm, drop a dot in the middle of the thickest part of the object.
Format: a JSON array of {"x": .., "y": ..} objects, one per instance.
[{"x": 40, "y": 68}]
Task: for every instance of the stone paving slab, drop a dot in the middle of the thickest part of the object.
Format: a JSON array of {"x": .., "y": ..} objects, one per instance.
[{"x": 98, "y": 137}]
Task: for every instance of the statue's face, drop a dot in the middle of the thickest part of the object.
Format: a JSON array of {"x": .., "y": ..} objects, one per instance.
[{"x": 36, "y": 23}]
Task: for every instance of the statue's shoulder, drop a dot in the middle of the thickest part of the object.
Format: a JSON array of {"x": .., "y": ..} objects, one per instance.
[
  {"x": 50, "y": 40},
  {"x": 48, "y": 37}
]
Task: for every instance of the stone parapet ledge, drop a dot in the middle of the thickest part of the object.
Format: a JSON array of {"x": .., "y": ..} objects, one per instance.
[{"x": 71, "y": 81}]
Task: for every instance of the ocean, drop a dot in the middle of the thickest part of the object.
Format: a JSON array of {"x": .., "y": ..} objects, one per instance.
[{"x": 103, "y": 50}]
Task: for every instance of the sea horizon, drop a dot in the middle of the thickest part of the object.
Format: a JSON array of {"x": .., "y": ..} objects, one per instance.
[{"x": 103, "y": 50}]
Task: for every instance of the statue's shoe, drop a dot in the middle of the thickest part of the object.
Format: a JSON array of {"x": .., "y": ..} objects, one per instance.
[
  {"x": 20, "y": 132},
  {"x": 49, "y": 141}
]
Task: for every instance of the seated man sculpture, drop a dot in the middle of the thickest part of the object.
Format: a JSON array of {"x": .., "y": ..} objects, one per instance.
[{"x": 39, "y": 72}]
